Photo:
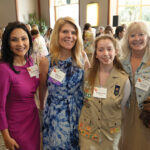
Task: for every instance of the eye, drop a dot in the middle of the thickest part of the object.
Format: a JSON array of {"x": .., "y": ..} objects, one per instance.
[
  {"x": 109, "y": 49},
  {"x": 65, "y": 31},
  {"x": 74, "y": 32},
  {"x": 24, "y": 38},
  {"x": 141, "y": 34},
  {"x": 100, "y": 50},
  {"x": 132, "y": 35},
  {"x": 14, "y": 39}
]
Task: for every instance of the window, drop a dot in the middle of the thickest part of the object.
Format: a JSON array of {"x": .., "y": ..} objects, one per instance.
[
  {"x": 131, "y": 10},
  {"x": 92, "y": 18},
  {"x": 62, "y": 8}
]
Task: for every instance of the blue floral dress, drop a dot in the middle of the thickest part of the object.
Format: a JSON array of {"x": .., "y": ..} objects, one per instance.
[{"x": 62, "y": 110}]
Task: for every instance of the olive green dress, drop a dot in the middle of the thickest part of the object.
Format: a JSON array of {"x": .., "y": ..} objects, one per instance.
[{"x": 135, "y": 136}]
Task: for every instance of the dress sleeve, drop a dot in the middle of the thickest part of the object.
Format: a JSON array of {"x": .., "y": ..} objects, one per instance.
[
  {"x": 127, "y": 92},
  {"x": 4, "y": 89}
]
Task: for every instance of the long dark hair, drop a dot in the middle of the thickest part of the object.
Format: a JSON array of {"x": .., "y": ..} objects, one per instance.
[{"x": 7, "y": 54}]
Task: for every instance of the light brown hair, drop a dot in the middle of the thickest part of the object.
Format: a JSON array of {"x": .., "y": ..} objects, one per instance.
[
  {"x": 95, "y": 65},
  {"x": 54, "y": 44}
]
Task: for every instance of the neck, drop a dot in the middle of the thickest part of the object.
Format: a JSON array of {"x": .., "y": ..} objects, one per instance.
[
  {"x": 19, "y": 61},
  {"x": 106, "y": 68},
  {"x": 137, "y": 54},
  {"x": 64, "y": 54}
]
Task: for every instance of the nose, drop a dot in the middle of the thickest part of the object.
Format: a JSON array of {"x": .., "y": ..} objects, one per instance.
[
  {"x": 137, "y": 37},
  {"x": 19, "y": 42},
  {"x": 105, "y": 52},
  {"x": 69, "y": 34}
]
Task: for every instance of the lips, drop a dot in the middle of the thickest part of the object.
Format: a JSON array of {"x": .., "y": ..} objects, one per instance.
[{"x": 20, "y": 49}]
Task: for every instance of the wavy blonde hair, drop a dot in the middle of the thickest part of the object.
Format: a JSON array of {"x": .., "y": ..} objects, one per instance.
[
  {"x": 55, "y": 46},
  {"x": 134, "y": 27},
  {"x": 91, "y": 76}
]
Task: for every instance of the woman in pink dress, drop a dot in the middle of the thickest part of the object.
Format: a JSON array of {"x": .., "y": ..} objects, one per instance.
[{"x": 19, "y": 120}]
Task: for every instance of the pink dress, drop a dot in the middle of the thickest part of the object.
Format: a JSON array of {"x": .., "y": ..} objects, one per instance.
[{"x": 18, "y": 111}]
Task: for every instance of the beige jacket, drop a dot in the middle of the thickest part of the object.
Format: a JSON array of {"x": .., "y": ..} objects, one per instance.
[{"x": 100, "y": 118}]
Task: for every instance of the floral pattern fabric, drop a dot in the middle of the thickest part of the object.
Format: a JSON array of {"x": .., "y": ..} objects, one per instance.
[{"x": 62, "y": 110}]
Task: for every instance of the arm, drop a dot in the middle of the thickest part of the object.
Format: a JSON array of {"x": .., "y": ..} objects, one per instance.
[
  {"x": 86, "y": 60},
  {"x": 10, "y": 143},
  {"x": 4, "y": 90},
  {"x": 127, "y": 91},
  {"x": 43, "y": 68}
]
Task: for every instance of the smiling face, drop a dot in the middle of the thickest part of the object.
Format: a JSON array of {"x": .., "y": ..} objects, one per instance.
[
  {"x": 67, "y": 36},
  {"x": 19, "y": 42},
  {"x": 105, "y": 52},
  {"x": 138, "y": 41}
]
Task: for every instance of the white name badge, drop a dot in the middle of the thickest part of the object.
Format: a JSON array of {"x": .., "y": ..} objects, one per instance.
[
  {"x": 58, "y": 75},
  {"x": 142, "y": 84},
  {"x": 100, "y": 92},
  {"x": 33, "y": 71}
]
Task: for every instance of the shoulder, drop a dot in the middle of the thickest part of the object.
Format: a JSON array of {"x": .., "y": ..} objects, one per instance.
[
  {"x": 5, "y": 69},
  {"x": 120, "y": 73},
  {"x": 44, "y": 64},
  {"x": 4, "y": 66}
]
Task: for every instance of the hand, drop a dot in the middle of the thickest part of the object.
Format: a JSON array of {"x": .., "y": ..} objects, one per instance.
[
  {"x": 146, "y": 104},
  {"x": 11, "y": 144},
  {"x": 145, "y": 113}
]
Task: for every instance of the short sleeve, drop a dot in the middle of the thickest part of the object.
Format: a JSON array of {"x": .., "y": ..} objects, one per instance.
[
  {"x": 127, "y": 92},
  {"x": 4, "y": 89}
]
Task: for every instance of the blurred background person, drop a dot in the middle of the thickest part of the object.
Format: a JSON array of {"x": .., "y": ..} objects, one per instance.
[
  {"x": 119, "y": 32},
  {"x": 88, "y": 40},
  {"x": 108, "y": 30},
  {"x": 39, "y": 46},
  {"x": 100, "y": 31},
  {"x": 29, "y": 27},
  {"x": 47, "y": 37},
  {"x": 35, "y": 27}
]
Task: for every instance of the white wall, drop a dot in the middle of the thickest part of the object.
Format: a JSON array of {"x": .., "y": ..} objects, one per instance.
[
  {"x": 7, "y": 12},
  {"x": 26, "y": 7}
]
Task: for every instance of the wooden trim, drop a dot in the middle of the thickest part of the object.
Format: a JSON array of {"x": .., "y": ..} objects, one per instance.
[
  {"x": 49, "y": 4},
  {"x": 79, "y": 11},
  {"x": 16, "y": 7},
  {"x": 39, "y": 9},
  {"x": 108, "y": 11}
]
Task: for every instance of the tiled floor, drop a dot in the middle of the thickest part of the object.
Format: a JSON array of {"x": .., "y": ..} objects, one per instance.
[{"x": 2, "y": 145}]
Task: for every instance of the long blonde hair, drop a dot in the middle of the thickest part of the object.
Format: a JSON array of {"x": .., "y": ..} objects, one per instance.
[
  {"x": 95, "y": 65},
  {"x": 54, "y": 42},
  {"x": 133, "y": 27}
]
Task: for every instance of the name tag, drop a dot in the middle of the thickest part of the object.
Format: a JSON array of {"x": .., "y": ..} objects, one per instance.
[
  {"x": 57, "y": 75},
  {"x": 142, "y": 84},
  {"x": 100, "y": 92},
  {"x": 33, "y": 71}
]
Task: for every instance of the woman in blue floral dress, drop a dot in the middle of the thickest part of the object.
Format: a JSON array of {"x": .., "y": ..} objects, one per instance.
[{"x": 63, "y": 74}]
